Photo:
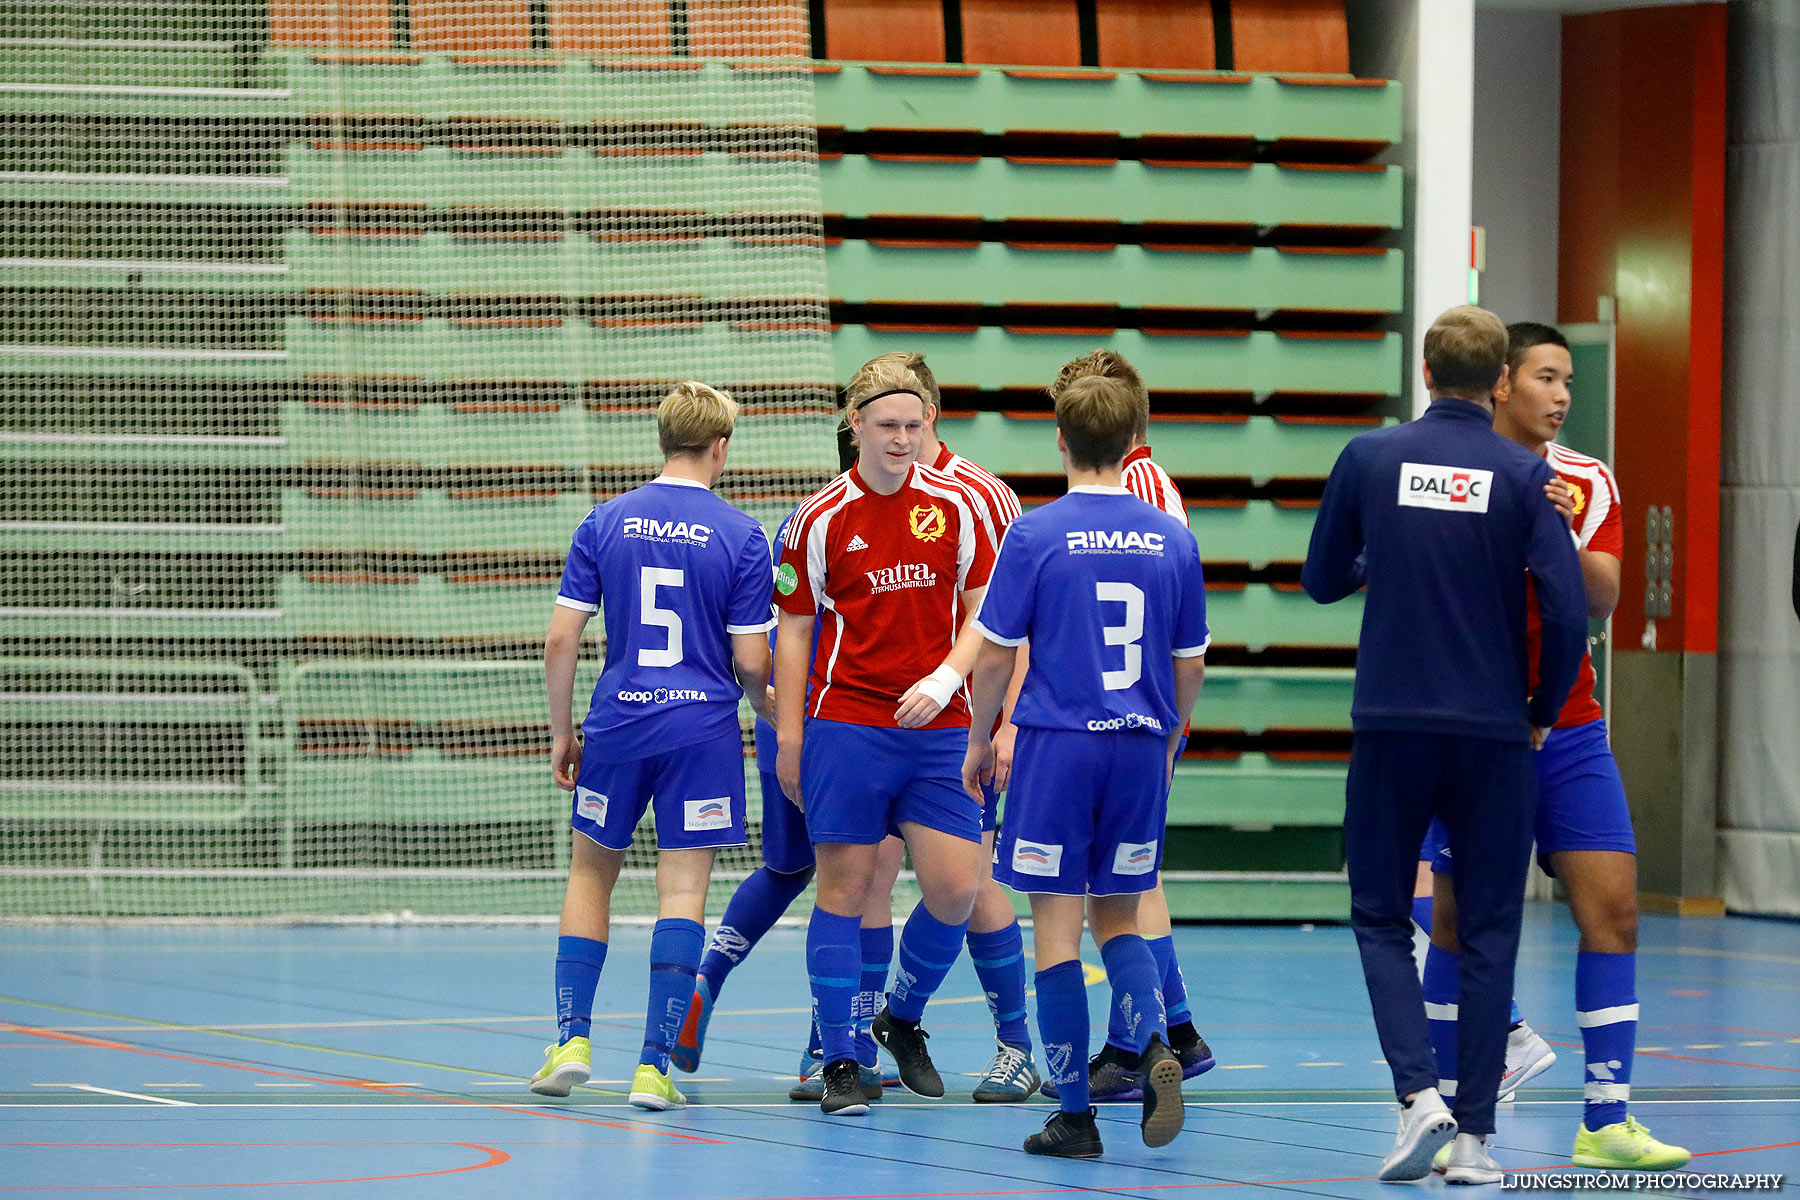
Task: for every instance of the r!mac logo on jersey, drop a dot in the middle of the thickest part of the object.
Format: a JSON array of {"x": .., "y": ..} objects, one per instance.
[
  {"x": 1120, "y": 541},
  {"x": 927, "y": 522},
  {"x": 1449, "y": 489},
  {"x": 666, "y": 531},
  {"x": 706, "y": 814},
  {"x": 1037, "y": 858}
]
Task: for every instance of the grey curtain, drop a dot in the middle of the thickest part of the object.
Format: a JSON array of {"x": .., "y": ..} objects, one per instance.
[{"x": 1759, "y": 635}]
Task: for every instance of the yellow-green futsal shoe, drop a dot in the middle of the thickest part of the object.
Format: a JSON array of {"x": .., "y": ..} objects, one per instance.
[
  {"x": 651, "y": 1089},
  {"x": 1625, "y": 1146},
  {"x": 564, "y": 1067}
]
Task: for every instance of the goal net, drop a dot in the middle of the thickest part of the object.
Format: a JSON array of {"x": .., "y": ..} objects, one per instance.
[{"x": 326, "y": 323}]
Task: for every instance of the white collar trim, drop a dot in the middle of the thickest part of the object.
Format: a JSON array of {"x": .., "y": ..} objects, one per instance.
[
  {"x": 670, "y": 479},
  {"x": 1099, "y": 489}
]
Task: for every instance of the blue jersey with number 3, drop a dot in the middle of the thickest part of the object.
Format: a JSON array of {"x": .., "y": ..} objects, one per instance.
[
  {"x": 1108, "y": 591},
  {"x": 678, "y": 571}
]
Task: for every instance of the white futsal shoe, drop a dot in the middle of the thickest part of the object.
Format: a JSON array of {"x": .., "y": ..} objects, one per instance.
[
  {"x": 1527, "y": 1057},
  {"x": 1470, "y": 1162},
  {"x": 1425, "y": 1124}
]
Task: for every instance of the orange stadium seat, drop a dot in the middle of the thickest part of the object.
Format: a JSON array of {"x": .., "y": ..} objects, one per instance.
[
  {"x": 610, "y": 27},
  {"x": 885, "y": 30},
  {"x": 471, "y": 25},
  {"x": 351, "y": 24},
  {"x": 1290, "y": 35},
  {"x": 1167, "y": 34},
  {"x": 1037, "y": 33},
  {"x": 735, "y": 29}
]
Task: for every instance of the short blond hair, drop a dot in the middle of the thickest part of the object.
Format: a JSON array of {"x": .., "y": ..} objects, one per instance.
[
  {"x": 1106, "y": 364},
  {"x": 1466, "y": 351},
  {"x": 692, "y": 417},
  {"x": 895, "y": 371},
  {"x": 1097, "y": 416}
]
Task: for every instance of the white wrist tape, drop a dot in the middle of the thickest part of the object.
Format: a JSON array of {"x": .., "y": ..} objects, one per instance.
[{"x": 941, "y": 684}]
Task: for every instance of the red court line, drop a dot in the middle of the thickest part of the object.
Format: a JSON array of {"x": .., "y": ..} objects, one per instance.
[
  {"x": 494, "y": 1159},
  {"x": 367, "y": 1085},
  {"x": 1717, "y": 1062}
]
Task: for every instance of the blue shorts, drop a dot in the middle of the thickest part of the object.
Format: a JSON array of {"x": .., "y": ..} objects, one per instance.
[
  {"x": 1085, "y": 813},
  {"x": 785, "y": 848},
  {"x": 990, "y": 807},
  {"x": 698, "y": 792},
  {"x": 1581, "y": 800},
  {"x": 862, "y": 781}
]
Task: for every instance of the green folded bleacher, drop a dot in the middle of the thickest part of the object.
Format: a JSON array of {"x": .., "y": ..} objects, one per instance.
[
  {"x": 1261, "y": 362},
  {"x": 1076, "y": 189},
  {"x": 1262, "y": 108},
  {"x": 1258, "y": 278},
  {"x": 1258, "y": 446}
]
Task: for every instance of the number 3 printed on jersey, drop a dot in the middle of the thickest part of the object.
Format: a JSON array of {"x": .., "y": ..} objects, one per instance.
[
  {"x": 651, "y": 578},
  {"x": 1126, "y": 635}
]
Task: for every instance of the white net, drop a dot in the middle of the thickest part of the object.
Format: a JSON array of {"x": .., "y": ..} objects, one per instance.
[{"x": 326, "y": 322}]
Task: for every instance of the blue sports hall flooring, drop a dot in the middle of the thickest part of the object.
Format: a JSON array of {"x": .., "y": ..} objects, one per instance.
[{"x": 390, "y": 1062}]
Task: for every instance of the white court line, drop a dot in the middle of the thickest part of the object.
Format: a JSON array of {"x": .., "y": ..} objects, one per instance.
[
  {"x": 88, "y": 1087},
  {"x": 788, "y": 1105}
]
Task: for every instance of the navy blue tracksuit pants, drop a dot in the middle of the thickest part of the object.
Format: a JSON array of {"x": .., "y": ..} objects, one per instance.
[{"x": 1486, "y": 791}]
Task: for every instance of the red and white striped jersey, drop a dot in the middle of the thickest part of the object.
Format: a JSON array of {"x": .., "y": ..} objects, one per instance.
[
  {"x": 1598, "y": 527},
  {"x": 999, "y": 504},
  {"x": 885, "y": 575},
  {"x": 1151, "y": 484}
]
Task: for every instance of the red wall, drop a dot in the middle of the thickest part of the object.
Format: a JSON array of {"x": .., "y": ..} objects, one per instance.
[{"x": 1643, "y": 221}]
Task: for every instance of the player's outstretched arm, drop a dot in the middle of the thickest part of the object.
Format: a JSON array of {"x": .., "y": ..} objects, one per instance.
[
  {"x": 1190, "y": 674},
  {"x": 989, "y": 683},
  {"x": 793, "y": 668},
  {"x": 562, "y": 648},
  {"x": 750, "y": 658},
  {"x": 925, "y": 699}
]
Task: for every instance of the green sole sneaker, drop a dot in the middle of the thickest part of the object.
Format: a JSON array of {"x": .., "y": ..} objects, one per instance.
[
  {"x": 652, "y": 1091},
  {"x": 1625, "y": 1146},
  {"x": 564, "y": 1067}
]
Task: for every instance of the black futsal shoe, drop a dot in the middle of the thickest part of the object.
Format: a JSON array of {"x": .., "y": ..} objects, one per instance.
[
  {"x": 1067, "y": 1135},
  {"x": 905, "y": 1041},
  {"x": 1160, "y": 1071},
  {"x": 844, "y": 1096}
]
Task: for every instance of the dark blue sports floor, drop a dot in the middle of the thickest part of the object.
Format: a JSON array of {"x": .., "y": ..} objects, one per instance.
[{"x": 390, "y": 1062}]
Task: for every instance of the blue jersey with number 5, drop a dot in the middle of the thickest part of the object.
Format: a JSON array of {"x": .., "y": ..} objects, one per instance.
[
  {"x": 678, "y": 571},
  {"x": 1108, "y": 591}
]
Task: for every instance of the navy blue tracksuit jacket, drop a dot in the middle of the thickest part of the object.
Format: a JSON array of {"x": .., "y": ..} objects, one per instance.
[{"x": 1442, "y": 518}]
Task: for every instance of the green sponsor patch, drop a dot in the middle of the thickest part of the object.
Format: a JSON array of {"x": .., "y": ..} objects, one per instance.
[{"x": 786, "y": 580}]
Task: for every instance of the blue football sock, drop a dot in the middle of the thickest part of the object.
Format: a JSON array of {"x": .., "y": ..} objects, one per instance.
[
  {"x": 1422, "y": 910},
  {"x": 1174, "y": 987},
  {"x": 928, "y": 949},
  {"x": 578, "y": 963},
  {"x": 877, "y": 957},
  {"x": 674, "y": 956},
  {"x": 1062, "y": 1015},
  {"x": 833, "y": 964},
  {"x": 1606, "y": 1009},
  {"x": 757, "y": 904},
  {"x": 999, "y": 959},
  {"x": 1137, "y": 989},
  {"x": 1517, "y": 1017},
  {"x": 1442, "y": 985}
]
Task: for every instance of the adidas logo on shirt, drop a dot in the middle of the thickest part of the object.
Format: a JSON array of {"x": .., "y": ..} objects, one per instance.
[{"x": 856, "y": 543}]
